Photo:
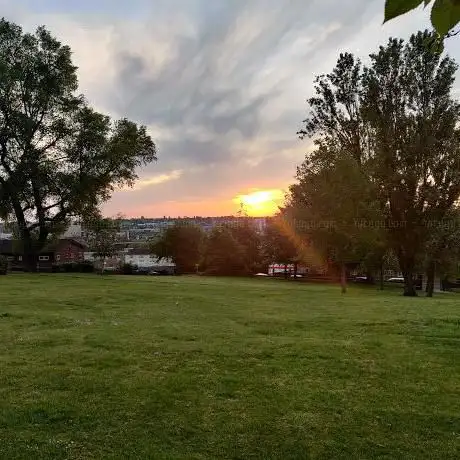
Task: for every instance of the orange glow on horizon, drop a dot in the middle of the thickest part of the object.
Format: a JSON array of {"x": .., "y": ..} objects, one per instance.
[{"x": 261, "y": 203}]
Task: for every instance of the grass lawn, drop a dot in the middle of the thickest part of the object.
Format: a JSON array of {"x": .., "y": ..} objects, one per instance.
[{"x": 201, "y": 368}]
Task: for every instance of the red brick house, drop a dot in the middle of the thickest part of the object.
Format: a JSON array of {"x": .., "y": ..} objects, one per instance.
[{"x": 62, "y": 251}]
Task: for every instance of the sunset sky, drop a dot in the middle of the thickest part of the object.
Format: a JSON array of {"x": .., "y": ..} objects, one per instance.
[{"x": 220, "y": 84}]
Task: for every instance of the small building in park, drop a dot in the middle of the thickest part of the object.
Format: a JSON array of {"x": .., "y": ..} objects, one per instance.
[{"x": 64, "y": 250}]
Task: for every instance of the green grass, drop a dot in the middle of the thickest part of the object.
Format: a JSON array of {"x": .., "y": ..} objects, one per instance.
[{"x": 202, "y": 368}]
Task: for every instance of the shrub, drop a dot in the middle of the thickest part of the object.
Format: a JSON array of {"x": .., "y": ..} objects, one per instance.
[
  {"x": 56, "y": 268},
  {"x": 3, "y": 265},
  {"x": 86, "y": 267},
  {"x": 69, "y": 267},
  {"x": 74, "y": 267},
  {"x": 127, "y": 269}
]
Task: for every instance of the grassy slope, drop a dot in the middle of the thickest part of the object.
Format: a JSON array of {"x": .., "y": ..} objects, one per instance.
[{"x": 198, "y": 368}]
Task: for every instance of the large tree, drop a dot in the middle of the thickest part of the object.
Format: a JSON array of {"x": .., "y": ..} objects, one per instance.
[
  {"x": 280, "y": 244},
  {"x": 398, "y": 120},
  {"x": 442, "y": 249},
  {"x": 250, "y": 241},
  {"x": 337, "y": 204},
  {"x": 183, "y": 244},
  {"x": 58, "y": 157},
  {"x": 223, "y": 255}
]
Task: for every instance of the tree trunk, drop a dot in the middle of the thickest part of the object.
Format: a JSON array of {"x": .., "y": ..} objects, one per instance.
[
  {"x": 381, "y": 277},
  {"x": 430, "y": 272},
  {"x": 295, "y": 270},
  {"x": 407, "y": 265},
  {"x": 29, "y": 262},
  {"x": 343, "y": 278},
  {"x": 29, "y": 259},
  {"x": 445, "y": 283},
  {"x": 285, "y": 272},
  {"x": 409, "y": 287},
  {"x": 102, "y": 265}
]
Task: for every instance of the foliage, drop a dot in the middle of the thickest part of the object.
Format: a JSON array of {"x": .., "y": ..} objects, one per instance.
[
  {"x": 442, "y": 251},
  {"x": 250, "y": 241},
  {"x": 223, "y": 255},
  {"x": 3, "y": 265},
  {"x": 398, "y": 122},
  {"x": 58, "y": 157},
  {"x": 74, "y": 267},
  {"x": 279, "y": 244},
  {"x": 338, "y": 202},
  {"x": 127, "y": 269},
  {"x": 102, "y": 236},
  {"x": 182, "y": 244},
  {"x": 445, "y": 14}
]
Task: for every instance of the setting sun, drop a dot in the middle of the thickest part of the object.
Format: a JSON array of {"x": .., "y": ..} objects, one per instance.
[{"x": 261, "y": 202}]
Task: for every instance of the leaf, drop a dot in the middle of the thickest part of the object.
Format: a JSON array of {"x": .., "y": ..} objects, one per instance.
[
  {"x": 395, "y": 8},
  {"x": 445, "y": 15}
]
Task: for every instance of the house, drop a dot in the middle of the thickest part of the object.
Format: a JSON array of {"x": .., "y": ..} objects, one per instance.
[{"x": 61, "y": 251}]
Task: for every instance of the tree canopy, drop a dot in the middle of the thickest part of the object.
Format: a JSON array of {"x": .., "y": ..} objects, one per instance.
[
  {"x": 182, "y": 244},
  {"x": 399, "y": 123},
  {"x": 337, "y": 202},
  {"x": 58, "y": 156}
]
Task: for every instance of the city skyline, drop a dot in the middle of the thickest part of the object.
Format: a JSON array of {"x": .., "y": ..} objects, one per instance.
[{"x": 220, "y": 86}]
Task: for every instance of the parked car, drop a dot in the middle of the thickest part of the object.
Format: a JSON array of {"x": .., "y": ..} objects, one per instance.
[
  {"x": 395, "y": 280},
  {"x": 362, "y": 279}
]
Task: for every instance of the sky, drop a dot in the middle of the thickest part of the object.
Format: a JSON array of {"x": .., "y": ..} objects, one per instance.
[{"x": 221, "y": 86}]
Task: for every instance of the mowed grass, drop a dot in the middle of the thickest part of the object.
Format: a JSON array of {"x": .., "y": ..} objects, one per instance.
[{"x": 201, "y": 368}]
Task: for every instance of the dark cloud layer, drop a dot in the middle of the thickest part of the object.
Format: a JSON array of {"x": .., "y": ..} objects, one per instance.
[{"x": 198, "y": 88}]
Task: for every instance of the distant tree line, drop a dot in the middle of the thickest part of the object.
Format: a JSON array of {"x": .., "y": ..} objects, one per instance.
[{"x": 236, "y": 248}]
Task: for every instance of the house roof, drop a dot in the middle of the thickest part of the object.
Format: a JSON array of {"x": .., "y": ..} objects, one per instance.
[
  {"x": 12, "y": 246},
  {"x": 52, "y": 246}
]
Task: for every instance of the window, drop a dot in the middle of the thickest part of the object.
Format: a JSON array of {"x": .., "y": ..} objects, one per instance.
[
  {"x": 58, "y": 257},
  {"x": 43, "y": 258},
  {"x": 20, "y": 258}
]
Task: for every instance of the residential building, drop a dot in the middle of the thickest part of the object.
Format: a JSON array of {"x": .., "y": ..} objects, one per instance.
[{"x": 61, "y": 251}]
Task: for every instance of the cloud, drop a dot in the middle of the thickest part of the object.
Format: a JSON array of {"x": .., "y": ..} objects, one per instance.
[
  {"x": 221, "y": 86},
  {"x": 156, "y": 180}
]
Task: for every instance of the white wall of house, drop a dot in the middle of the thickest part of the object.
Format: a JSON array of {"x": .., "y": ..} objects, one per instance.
[
  {"x": 89, "y": 256},
  {"x": 147, "y": 261},
  {"x": 109, "y": 261}
]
